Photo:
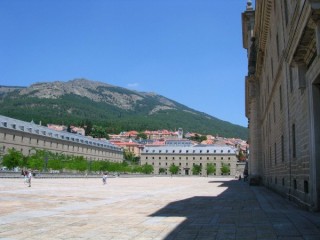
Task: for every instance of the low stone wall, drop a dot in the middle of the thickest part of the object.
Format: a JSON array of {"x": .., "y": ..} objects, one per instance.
[
  {"x": 49, "y": 175},
  {"x": 10, "y": 174}
]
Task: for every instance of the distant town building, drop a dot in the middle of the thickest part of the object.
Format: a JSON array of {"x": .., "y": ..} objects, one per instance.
[
  {"x": 77, "y": 130},
  {"x": 57, "y": 127},
  {"x": 178, "y": 143},
  {"x": 129, "y": 145},
  {"x": 186, "y": 156},
  {"x": 282, "y": 92}
]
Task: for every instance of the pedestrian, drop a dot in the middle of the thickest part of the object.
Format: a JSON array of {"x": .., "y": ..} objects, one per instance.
[
  {"x": 29, "y": 176},
  {"x": 23, "y": 173},
  {"x": 104, "y": 178}
]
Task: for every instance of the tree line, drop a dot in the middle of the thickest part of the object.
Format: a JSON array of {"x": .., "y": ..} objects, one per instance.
[{"x": 42, "y": 160}]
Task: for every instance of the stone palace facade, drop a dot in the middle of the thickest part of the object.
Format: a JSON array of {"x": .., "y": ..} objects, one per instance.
[
  {"x": 282, "y": 87},
  {"x": 24, "y": 137},
  {"x": 185, "y": 157}
]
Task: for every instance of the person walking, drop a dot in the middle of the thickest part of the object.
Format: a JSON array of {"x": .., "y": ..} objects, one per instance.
[
  {"x": 24, "y": 173},
  {"x": 104, "y": 178},
  {"x": 29, "y": 176}
]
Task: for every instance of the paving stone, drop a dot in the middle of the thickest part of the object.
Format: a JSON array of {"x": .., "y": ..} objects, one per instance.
[{"x": 149, "y": 208}]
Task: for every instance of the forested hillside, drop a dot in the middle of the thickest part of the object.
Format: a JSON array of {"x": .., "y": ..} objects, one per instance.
[{"x": 117, "y": 109}]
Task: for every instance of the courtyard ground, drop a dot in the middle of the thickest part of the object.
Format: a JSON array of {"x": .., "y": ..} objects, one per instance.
[{"x": 149, "y": 208}]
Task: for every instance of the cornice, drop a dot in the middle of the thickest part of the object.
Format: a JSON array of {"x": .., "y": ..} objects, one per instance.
[
  {"x": 262, "y": 28},
  {"x": 301, "y": 45},
  {"x": 264, "y": 23}
]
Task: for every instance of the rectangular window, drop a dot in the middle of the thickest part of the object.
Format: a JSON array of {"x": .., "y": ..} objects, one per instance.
[
  {"x": 277, "y": 39},
  {"x": 286, "y": 11},
  {"x": 295, "y": 184},
  {"x": 282, "y": 148},
  {"x": 306, "y": 186},
  {"x": 280, "y": 96},
  {"x": 269, "y": 121},
  {"x": 294, "y": 153},
  {"x": 290, "y": 79},
  {"x": 274, "y": 112},
  {"x": 270, "y": 160},
  {"x": 275, "y": 153},
  {"x": 272, "y": 68}
]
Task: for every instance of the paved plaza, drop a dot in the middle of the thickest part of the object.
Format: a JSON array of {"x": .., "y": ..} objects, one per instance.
[{"x": 149, "y": 208}]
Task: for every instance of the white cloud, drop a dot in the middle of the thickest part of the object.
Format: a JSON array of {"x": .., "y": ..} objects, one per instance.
[{"x": 132, "y": 85}]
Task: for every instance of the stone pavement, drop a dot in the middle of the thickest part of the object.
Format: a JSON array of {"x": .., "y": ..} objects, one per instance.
[{"x": 149, "y": 208}]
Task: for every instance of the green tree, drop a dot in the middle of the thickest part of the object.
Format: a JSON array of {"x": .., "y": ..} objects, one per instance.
[
  {"x": 241, "y": 156},
  {"x": 162, "y": 170},
  {"x": 12, "y": 159},
  {"x": 173, "y": 169},
  {"x": 196, "y": 169},
  {"x": 38, "y": 160},
  {"x": 129, "y": 156},
  {"x": 211, "y": 169},
  {"x": 198, "y": 138},
  {"x": 147, "y": 169},
  {"x": 99, "y": 132},
  {"x": 141, "y": 135},
  {"x": 88, "y": 127},
  {"x": 225, "y": 169}
]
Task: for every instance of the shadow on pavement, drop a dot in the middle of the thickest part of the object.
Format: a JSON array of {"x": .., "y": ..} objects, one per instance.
[
  {"x": 240, "y": 212},
  {"x": 217, "y": 216}
]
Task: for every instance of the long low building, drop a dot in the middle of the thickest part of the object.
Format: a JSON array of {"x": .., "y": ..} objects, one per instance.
[
  {"x": 185, "y": 157},
  {"x": 25, "y": 136}
]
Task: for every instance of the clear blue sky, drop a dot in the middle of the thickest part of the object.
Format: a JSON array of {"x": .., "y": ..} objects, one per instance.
[{"x": 187, "y": 50}]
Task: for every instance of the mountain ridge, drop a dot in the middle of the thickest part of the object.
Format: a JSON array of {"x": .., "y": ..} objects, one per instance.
[{"x": 108, "y": 105}]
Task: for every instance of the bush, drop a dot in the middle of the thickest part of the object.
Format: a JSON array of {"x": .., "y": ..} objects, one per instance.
[
  {"x": 211, "y": 169},
  {"x": 225, "y": 169},
  {"x": 173, "y": 169},
  {"x": 196, "y": 170}
]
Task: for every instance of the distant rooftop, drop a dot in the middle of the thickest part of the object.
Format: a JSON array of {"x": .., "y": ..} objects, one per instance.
[{"x": 32, "y": 128}]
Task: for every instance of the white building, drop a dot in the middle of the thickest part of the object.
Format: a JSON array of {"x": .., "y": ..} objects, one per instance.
[{"x": 186, "y": 156}]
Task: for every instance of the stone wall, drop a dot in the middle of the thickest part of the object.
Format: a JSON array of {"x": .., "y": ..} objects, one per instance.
[
  {"x": 24, "y": 141},
  {"x": 282, "y": 110}
]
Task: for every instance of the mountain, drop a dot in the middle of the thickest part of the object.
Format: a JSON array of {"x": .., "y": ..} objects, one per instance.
[{"x": 116, "y": 108}]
